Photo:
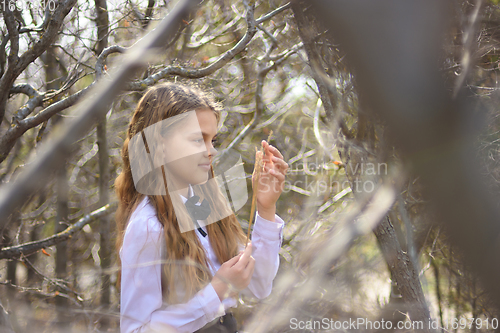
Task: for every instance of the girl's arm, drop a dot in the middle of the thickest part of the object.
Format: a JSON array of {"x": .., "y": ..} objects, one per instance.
[
  {"x": 142, "y": 308},
  {"x": 266, "y": 242},
  {"x": 268, "y": 229}
]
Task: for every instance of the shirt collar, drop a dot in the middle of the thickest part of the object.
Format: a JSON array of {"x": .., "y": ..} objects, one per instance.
[{"x": 190, "y": 194}]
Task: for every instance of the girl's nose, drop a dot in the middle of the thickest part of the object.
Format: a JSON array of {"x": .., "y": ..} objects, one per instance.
[{"x": 213, "y": 152}]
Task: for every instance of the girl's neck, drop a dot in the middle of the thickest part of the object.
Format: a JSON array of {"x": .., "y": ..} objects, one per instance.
[{"x": 185, "y": 191}]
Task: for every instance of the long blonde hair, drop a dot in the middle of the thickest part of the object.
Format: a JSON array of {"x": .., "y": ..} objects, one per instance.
[{"x": 159, "y": 103}]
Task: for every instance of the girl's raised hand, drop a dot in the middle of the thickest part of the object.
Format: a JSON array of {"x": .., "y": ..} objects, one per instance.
[{"x": 272, "y": 179}]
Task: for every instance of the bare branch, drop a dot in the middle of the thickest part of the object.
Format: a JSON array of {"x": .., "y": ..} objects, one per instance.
[
  {"x": 268, "y": 34},
  {"x": 10, "y": 22},
  {"x": 318, "y": 261},
  {"x": 48, "y": 37},
  {"x": 16, "y": 67},
  {"x": 24, "y": 88},
  {"x": 9, "y": 76},
  {"x": 32, "y": 247},
  {"x": 232, "y": 23},
  {"x": 3, "y": 56},
  {"x": 146, "y": 17},
  {"x": 99, "y": 66},
  {"x": 13, "y": 194},
  {"x": 102, "y": 22},
  {"x": 273, "y": 13},
  {"x": 259, "y": 100},
  {"x": 13, "y": 133},
  {"x": 218, "y": 33},
  {"x": 5, "y": 325},
  {"x": 60, "y": 283},
  {"x": 198, "y": 73},
  {"x": 149, "y": 12},
  {"x": 315, "y": 62},
  {"x": 69, "y": 54},
  {"x": 35, "y": 99}
]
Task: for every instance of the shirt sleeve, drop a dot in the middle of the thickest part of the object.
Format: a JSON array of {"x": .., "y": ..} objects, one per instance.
[
  {"x": 142, "y": 308},
  {"x": 267, "y": 237}
]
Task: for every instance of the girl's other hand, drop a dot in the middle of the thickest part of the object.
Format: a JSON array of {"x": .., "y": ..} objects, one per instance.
[
  {"x": 234, "y": 274},
  {"x": 272, "y": 179}
]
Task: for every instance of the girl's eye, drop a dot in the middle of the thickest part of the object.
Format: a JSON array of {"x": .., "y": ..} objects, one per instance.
[{"x": 198, "y": 140}]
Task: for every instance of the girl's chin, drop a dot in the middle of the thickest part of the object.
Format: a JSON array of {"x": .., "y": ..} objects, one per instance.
[{"x": 200, "y": 180}]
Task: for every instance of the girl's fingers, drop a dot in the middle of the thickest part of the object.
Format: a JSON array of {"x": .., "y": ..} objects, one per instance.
[
  {"x": 250, "y": 267},
  {"x": 280, "y": 176},
  {"x": 274, "y": 150},
  {"x": 280, "y": 163},
  {"x": 280, "y": 168},
  {"x": 243, "y": 261},
  {"x": 234, "y": 260}
]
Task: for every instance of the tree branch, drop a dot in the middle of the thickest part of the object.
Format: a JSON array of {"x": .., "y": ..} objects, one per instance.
[
  {"x": 198, "y": 73},
  {"x": 314, "y": 59},
  {"x": 216, "y": 34},
  {"x": 9, "y": 76},
  {"x": 32, "y": 247},
  {"x": 149, "y": 11},
  {"x": 48, "y": 37},
  {"x": 273, "y": 13},
  {"x": 3, "y": 55},
  {"x": 5, "y": 325},
  {"x": 9, "y": 139},
  {"x": 102, "y": 22},
  {"x": 13, "y": 194},
  {"x": 17, "y": 67},
  {"x": 10, "y": 22},
  {"x": 99, "y": 66},
  {"x": 259, "y": 100},
  {"x": 35, "y": 99}
]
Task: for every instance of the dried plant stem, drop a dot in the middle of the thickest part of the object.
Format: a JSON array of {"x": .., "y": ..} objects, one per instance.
[{"x": 258, "y": 169}]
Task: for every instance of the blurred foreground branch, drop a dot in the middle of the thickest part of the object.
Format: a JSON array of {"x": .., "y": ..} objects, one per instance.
[
  {"x": 318, "y": 258},
  {"x": 411, "y": 97},
  {"x": 5, "y": 325}
]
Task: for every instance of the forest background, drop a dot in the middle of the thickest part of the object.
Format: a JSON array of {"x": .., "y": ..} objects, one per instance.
[{"x": 363, "y": 236}]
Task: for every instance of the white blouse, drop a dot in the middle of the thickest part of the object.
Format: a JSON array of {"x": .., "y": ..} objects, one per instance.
[{"x": 142, "y": 308}]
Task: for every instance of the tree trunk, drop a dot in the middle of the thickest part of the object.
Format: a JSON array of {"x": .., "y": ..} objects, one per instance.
[
  {"x": 102, "y": 22},
  {"x": 403, "y": 271}
]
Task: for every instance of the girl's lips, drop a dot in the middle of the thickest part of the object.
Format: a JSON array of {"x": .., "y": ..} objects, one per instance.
[{"x": 204, "y": 166}]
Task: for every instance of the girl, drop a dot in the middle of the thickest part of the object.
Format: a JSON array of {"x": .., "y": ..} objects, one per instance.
[{"x": 174, "y": 280}]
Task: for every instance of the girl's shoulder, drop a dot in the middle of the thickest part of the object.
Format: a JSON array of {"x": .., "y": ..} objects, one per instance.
[{"x": 144, "y": 219}]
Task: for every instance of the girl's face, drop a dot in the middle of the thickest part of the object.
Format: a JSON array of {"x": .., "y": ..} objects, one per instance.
[{"x": 189, "y": 150}]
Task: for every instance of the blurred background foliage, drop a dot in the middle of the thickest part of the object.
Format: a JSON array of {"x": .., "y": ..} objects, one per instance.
[{"x": 319, "y": 189}]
